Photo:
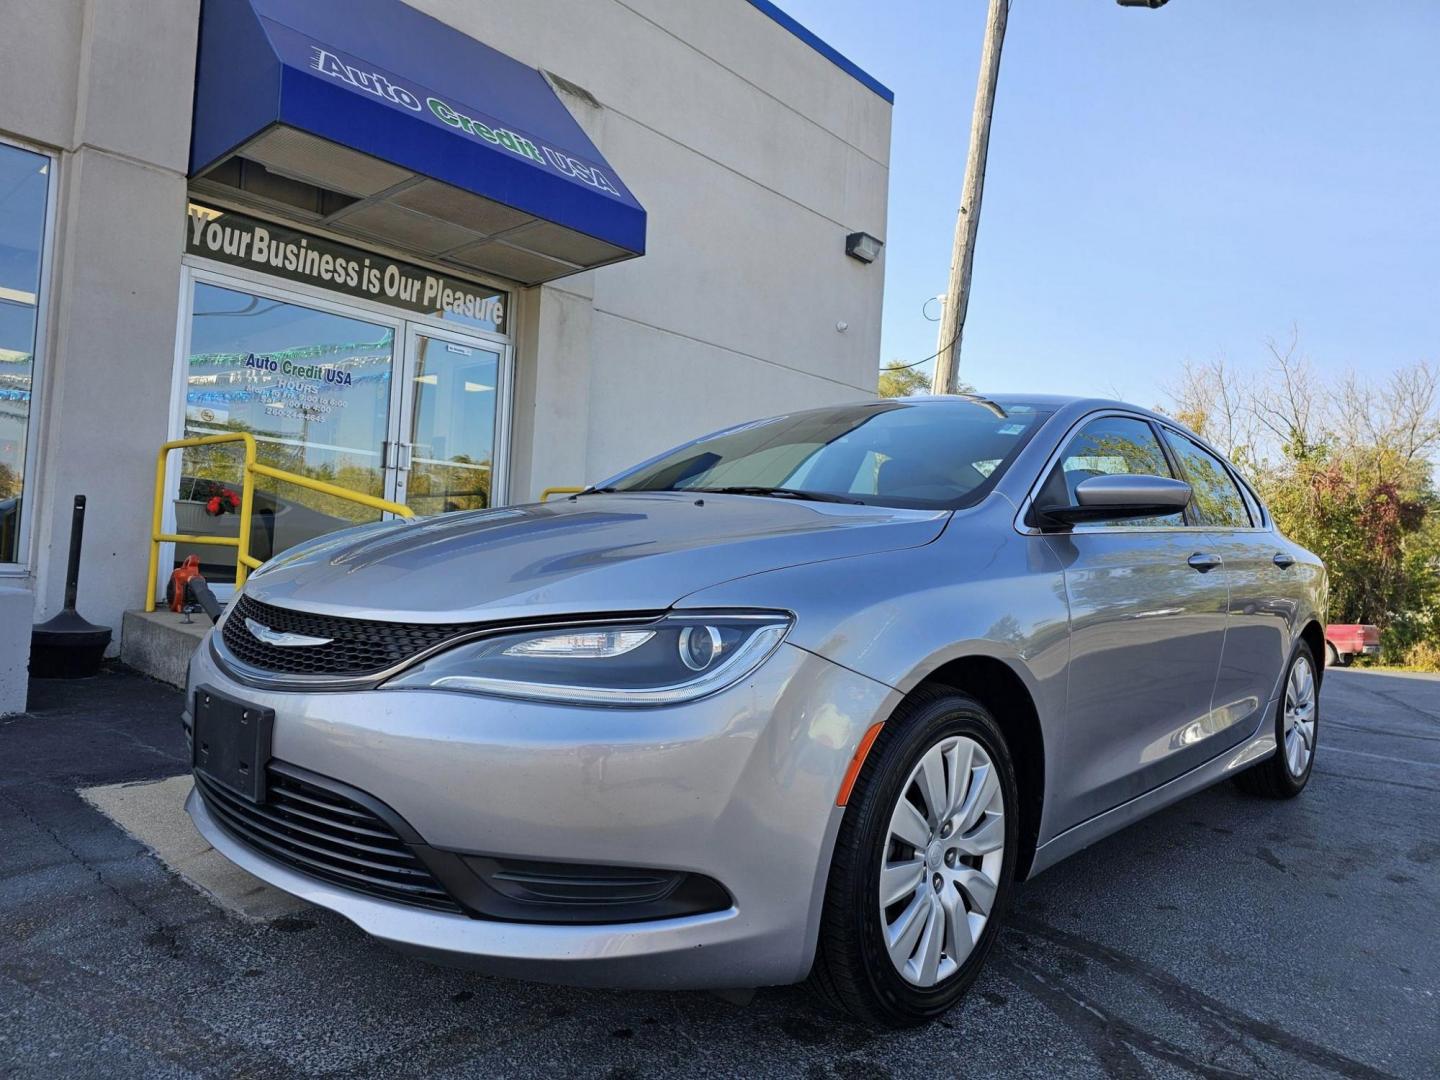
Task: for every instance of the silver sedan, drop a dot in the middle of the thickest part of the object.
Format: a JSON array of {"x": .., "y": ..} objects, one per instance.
[{"x": 803, "y": 698}]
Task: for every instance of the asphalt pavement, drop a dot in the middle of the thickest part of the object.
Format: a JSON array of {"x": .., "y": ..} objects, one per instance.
[{"x": 1225, "y": 936}]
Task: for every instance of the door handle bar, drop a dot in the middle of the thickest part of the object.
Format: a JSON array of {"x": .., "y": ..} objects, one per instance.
[
  {"x": 398, "y": 455},
  {"x": 1283, "y": 561},
  {"x": 1203, "y": 561}
]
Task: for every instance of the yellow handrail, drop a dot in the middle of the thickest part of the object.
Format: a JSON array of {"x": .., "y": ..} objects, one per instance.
[
  {"x": 244, "y": 561},
  {"x": 545, "y": 495}
]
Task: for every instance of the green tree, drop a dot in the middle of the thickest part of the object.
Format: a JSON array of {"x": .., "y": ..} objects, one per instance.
[
  {"x": 897, "y": 380},
  {"x": 1376, "y": 538},
  {"x": 901, "y": 380}
]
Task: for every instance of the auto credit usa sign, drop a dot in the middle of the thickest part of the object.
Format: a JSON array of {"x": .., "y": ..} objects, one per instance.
[{"x": 366, "y": 79}]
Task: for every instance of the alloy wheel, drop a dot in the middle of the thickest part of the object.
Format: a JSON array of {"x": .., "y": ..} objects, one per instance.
[
  {"x": 942, "y": 861},
  {"x": 1299, "y": 733}
]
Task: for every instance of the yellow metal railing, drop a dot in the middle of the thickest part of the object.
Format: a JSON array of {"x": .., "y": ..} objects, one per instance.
[
  {"x": 244, "y": 561},
  {"x": 545, "y": 495}
]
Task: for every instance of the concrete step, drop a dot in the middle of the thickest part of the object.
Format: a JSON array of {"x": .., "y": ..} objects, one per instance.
[{"x": 160, "y": 643}]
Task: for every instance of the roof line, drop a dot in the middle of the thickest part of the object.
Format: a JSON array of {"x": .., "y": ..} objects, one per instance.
[{"x": 846, "y": 65}]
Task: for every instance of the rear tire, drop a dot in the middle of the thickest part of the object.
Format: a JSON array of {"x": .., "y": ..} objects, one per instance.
[
  {"x": 1285, "y": 773},
  {"x": 947, "y": 878},
  {"x": 1332, "y": 655}
]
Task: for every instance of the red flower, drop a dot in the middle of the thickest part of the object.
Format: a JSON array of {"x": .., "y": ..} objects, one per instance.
[{"x": 213, "y": 506}]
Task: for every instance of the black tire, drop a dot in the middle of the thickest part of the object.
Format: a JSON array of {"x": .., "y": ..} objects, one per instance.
[
  {"x": 853, "y": 971},
  {"x": 1273, "y": 778},
  {"x": 1332, "y": 655}
]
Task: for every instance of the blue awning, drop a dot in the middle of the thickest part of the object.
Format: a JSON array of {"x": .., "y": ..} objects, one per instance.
[{"x": 374, "y": 119}]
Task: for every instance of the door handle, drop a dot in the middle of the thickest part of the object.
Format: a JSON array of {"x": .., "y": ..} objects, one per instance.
[
  {"x": 398, "y": 455},
  {"x": 1283, "y": 561},
  {"x": 1203, "y": 562}
]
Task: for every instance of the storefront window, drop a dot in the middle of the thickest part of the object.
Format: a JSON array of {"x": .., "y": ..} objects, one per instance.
[
  {"x": 314, "y": 389},
  {"x": 24, "y": 196},
  {"x": 372, "y": 374}
]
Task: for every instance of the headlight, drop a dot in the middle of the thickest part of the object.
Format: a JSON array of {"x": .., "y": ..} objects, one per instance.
[{"x": 671, "y": 660}]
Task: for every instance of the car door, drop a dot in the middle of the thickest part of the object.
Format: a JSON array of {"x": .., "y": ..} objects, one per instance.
[
  {"x": 1148, "y": 604},
  {"x": 1258, "y": 570}
]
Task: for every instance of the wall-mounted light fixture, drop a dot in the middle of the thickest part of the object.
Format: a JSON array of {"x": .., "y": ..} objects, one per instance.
[{"x": 863, "y": 246}]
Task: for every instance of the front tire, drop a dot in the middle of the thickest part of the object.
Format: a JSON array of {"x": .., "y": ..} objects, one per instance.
[
  {"x": 923, "y": 865},
  {"x": 1297, "y": 729}
]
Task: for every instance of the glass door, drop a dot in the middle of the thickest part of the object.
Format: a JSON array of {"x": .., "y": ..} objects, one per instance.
[
  {"x": 408, "y": 411},
  {"x": 451, "y": 452},
  {"x": 313, "y": 384}
]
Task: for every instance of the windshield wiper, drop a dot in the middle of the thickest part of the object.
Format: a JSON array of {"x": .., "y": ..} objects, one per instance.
[
  {"x": 737, "y": 489},
  {"x": 777, "y": 493}
]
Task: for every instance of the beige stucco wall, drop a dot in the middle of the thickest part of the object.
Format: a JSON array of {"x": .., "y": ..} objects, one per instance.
[
  {"x": 753, "y": 154},
  {"x": 106, "y": 86}
]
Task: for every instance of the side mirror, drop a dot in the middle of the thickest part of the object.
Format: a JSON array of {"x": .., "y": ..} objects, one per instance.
[{"x": 1116, "y": 498}]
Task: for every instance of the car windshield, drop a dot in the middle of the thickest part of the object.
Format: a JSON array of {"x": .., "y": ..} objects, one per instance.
[{"x": 939, "y": 455}]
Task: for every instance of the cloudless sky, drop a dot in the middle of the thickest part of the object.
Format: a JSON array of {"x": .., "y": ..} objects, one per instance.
[{"x": 1183, "y": 182}]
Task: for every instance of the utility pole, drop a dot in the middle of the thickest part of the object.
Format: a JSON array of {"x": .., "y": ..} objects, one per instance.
[{"x": 967, "y": 223}]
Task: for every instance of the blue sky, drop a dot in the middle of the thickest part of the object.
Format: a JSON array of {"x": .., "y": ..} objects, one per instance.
[{"x": 1163, "y": 184}]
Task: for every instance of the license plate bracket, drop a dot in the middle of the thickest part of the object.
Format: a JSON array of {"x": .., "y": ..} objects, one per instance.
[{"x": 232, "y": 742}]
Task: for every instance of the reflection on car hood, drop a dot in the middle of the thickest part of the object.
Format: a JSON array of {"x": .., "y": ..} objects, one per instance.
[{"x": 597, "y": 553}]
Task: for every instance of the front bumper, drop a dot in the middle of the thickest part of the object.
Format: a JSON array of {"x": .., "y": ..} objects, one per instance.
[{"x": 739, "y": 787}]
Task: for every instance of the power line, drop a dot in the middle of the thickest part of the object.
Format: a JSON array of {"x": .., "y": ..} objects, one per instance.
[
  {"x": 927, "y": 359},
  {"x": 902, "y": 367}
]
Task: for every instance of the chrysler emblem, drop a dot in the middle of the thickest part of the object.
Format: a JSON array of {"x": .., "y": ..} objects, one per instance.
[{"x": 283, "y": 640}]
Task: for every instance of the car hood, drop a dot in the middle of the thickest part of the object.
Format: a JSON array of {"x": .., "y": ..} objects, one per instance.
[{"x": 596, "y": 553}]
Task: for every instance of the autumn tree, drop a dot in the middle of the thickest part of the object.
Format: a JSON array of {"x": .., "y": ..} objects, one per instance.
[{"x": 1345, "y": 468}]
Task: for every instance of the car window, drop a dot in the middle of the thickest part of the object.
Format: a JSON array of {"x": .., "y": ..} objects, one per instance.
[
  {"x": 926, "y": 456},
  {"x": 1252, "y": 501},
  {"x": 1109, "y": 446},
  {"x": 1216, "y": 500}
]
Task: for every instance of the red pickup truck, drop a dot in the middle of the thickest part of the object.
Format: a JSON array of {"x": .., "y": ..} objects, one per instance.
[{"x": 1345, "y": 641}]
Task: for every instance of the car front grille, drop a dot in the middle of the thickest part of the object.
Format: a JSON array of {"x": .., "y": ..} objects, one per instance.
[
  {"x": 324, "y": 833},
  {"x": 353, "y": 647}
]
